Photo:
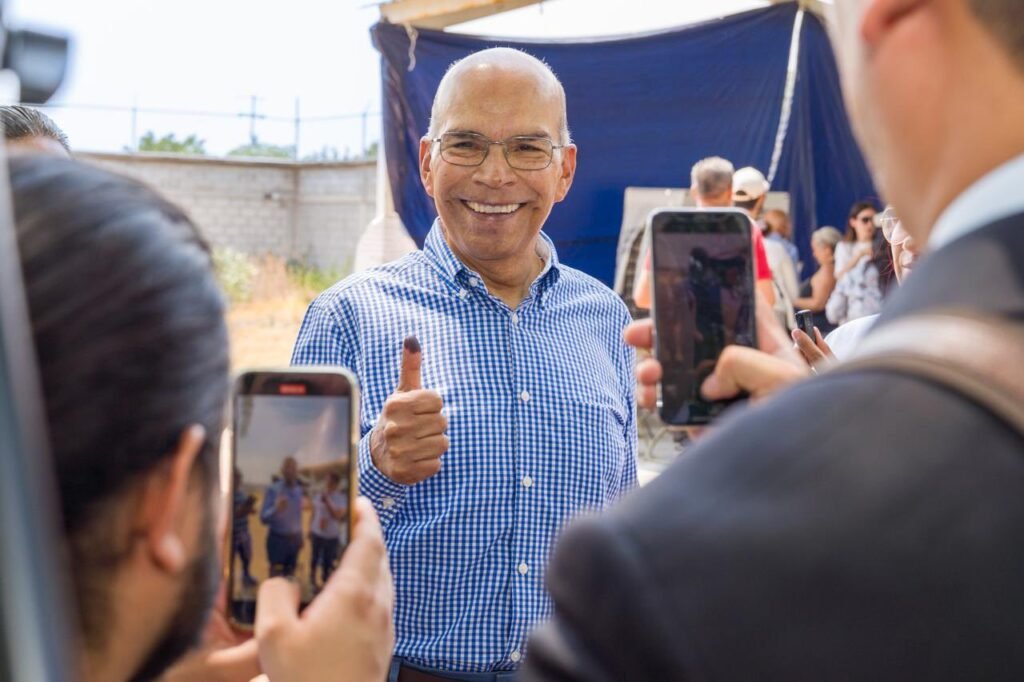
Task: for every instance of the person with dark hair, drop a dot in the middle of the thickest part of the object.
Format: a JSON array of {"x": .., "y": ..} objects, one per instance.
[
  {"x": 861, "y": 524},
  {"x": 860, "y": 293},
  {"x": 327, "y": 529},
  {"x": 129, "y": 330},
  {"x": 30, "y": 130},
  {"x": 859, "y": 242},
  {"x": 241, "y": 538}
]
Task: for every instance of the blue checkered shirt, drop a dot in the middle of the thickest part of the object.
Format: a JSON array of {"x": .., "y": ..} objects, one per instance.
[{"x": 541, "y": 409}]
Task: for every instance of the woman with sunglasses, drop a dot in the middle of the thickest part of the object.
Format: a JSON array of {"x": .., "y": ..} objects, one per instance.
[{"x": 858, "y": 240}]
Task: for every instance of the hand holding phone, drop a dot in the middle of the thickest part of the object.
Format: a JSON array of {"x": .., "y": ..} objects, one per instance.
[
  {"x": 703, "y": 283},
  {"x": 292, "y": 428},
  {"x": 409, "y": 439},
  {"x": 805, "y": 322}
]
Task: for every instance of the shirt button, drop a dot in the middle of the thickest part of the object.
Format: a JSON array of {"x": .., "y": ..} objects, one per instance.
[
  {"x": 515, "y": 656},
  {"x": 473, "y": 281},
  {"x": 463, "y": 293},
  {"x": 523, "y": 569},
  {"x": 525, "y": 396},
  {"x": 527, "y": 481},
  {"x": 515, "y": 318},
  {"x": 387, "y": 502}
]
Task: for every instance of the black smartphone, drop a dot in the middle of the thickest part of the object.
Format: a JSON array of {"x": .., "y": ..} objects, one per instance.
[
  {"x": 805, "y": 322},
  {"x": 703, "y": 300},
  {"x": 294, "y": 480}
]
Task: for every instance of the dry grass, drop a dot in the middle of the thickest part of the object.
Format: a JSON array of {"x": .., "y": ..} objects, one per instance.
[{"x": 267, "y": 302}]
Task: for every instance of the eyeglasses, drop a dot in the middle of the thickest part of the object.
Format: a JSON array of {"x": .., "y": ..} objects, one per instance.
[
  {"x": 892, "y": 228},
  {"x": 522, "y": 152}
]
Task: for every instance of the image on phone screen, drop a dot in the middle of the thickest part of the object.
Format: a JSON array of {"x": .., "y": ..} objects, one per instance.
[
  {"x": 291, "y": 490},
  {"x": 703, "y": 301}
]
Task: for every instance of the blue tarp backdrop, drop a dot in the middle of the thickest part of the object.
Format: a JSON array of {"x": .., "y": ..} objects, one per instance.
[{"x": 642, "y": 111}]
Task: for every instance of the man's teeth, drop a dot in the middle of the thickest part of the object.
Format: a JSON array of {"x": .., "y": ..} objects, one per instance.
[{"x": 490, "y": 208}]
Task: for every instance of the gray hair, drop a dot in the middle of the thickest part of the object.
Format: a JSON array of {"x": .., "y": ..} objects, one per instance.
[
  {"x": 505, "y": 56},
  {"x": 828, "y": 236},
  {"x": 20, "y": 122},
  {"x": 711, "y": 177}
]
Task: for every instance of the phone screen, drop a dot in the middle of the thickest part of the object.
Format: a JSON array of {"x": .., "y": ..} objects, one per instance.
[
  {"x": 293, "y": 483},
  {"x": 703, "y": 301}
]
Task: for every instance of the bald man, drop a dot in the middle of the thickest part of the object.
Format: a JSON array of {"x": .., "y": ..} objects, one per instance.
[
  {"x": 282, "y": 514},
  {"x": 498, "y": 398}
]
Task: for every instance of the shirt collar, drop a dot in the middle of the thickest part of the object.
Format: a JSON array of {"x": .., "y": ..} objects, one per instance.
[
  {"x": 996, "y": 195},
  {"x": 441, "y": 256}
]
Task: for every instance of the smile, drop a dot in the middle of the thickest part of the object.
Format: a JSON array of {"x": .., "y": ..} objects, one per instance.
[{"x": 492, "y": 208}]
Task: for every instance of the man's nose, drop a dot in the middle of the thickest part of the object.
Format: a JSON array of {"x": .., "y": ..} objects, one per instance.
[{"x": 495, "y": 171}]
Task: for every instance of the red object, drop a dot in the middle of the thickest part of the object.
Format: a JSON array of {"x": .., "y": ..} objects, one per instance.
[{"x": 291, "y": 389}]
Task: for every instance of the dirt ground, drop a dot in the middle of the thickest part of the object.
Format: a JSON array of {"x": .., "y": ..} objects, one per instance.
[
  {"x": 263, "y": 332},
  {"x": 263, "y": 327}
]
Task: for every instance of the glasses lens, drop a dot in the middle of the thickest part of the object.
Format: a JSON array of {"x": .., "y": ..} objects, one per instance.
[
  {"x": 529, "y": 153},
  {"x": 464, "y": 149},
  {"x": 890, "y": 224}
]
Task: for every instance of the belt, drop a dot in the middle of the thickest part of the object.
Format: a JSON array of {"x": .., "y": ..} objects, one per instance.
[{"x": 407, "y": 674}]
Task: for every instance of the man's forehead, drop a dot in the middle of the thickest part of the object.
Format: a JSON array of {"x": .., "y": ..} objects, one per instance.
[{"x": 502, "y": 106}]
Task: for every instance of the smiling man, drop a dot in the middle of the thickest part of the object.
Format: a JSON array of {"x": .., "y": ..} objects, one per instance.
[{"x": 481, "y": 435}]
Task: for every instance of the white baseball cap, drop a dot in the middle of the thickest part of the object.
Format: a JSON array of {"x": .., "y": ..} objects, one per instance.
[{"x": 748, "y": 183}]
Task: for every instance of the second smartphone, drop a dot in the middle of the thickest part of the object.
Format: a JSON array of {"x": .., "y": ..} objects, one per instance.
[
  {"x": 294, "y": 483},
  {"x": 702, "y": 271}
]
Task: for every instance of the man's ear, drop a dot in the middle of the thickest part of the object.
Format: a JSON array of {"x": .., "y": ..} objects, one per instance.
[
  {"x": 162, "y": 504},
  {"x": 880, "y": 16},
  {"x": 568, "y": 171},
  {"x": 426, "y": 156}
]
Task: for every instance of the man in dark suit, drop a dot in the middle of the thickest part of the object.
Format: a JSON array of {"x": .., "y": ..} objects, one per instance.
[{"x": 860, "y": 526}]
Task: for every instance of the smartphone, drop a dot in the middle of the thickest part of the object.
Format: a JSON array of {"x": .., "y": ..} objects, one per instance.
[
  {"x": 293, "y": 486},
  {"x": 805, "y": 322},
  {"x": 702, "y": 276}
]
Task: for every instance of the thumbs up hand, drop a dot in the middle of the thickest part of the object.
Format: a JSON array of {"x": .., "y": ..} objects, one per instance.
[{"x": 407, "y": 443}]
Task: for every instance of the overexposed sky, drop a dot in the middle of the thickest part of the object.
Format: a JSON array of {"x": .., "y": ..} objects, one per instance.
[{"x": 215, "y": 55}]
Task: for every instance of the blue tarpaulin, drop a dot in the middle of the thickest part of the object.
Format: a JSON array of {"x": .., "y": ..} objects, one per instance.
[{"x": 643, "y": 110}]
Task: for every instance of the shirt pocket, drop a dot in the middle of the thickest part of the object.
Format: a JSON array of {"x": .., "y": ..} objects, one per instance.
[{"x": 591, "y": 435}]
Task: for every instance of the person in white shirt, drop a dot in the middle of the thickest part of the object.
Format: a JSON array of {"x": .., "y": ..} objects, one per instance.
[
  {"x": 859, "y": 238},
  {"x": 327, "y": 529}
]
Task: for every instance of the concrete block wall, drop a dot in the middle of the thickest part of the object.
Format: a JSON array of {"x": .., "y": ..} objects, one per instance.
[{"x": 314, "y": 213}]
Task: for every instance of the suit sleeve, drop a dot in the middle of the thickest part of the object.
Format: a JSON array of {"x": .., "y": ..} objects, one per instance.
[{"x": 608, "y": 624}]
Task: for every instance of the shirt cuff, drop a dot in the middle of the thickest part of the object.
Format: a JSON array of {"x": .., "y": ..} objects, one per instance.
[{"x": 386, "y": 495}]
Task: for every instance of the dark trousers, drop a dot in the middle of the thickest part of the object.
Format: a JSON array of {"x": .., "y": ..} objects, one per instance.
[
  {"x": 325, "y": 553},
  {"x": 283, "y": 552},
  {"x": 241, "y": 545}
]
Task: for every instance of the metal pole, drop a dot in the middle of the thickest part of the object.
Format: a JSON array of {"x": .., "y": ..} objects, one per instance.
[
  {"x": 298, "y": 125},
  {"x": 135, "y": 125},
  {"x": 365, "y": 111},
  {"x": 252, "y": 122}
]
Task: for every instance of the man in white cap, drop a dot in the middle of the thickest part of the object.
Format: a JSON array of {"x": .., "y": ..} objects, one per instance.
[{"x": 749, "y": 191}]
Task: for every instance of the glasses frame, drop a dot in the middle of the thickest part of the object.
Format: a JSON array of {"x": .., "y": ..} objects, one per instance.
[
  {"x": 888, "y": 221},
  {"x": 504, "y": 149}
]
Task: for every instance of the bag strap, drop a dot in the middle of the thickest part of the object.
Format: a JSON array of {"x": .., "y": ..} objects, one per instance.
[{"x": 980, "y": 358}]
